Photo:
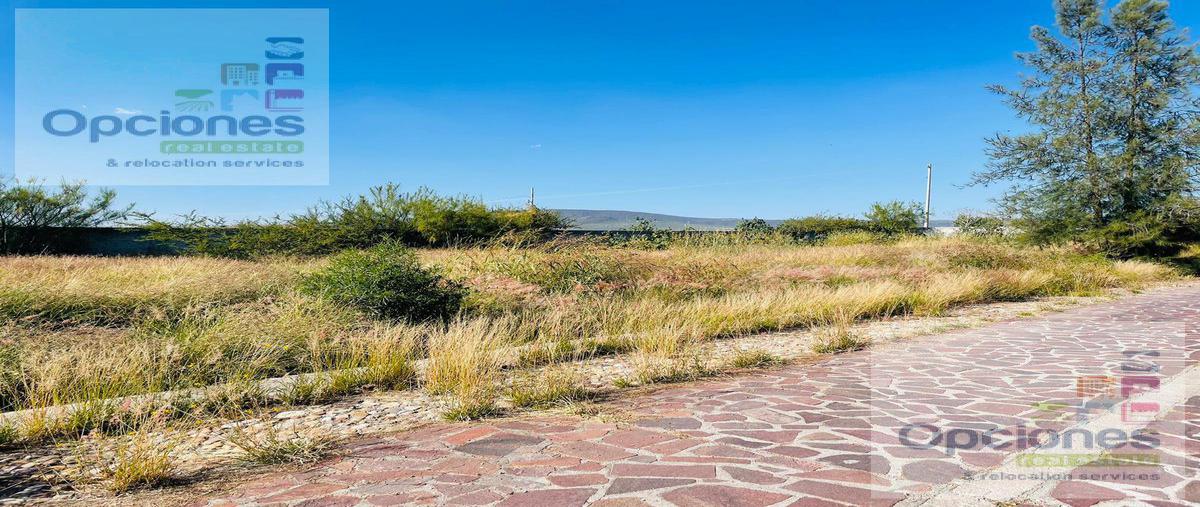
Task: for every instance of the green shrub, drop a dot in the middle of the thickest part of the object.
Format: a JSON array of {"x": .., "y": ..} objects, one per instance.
[
  {"x": 820, "y": 226},
  {"x": 754, "y": 226},
  {"x": 895, "y": 217},
  {"x": 419, "y": 218},
  {"x": 386, "y": 281}
]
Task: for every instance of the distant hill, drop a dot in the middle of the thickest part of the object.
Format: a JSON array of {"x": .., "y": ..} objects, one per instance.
[
  {"x": 613, "y": 220},
  {"x": 609, "y": 220}
]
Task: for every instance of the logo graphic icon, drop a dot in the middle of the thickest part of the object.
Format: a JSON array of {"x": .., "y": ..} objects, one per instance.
[
  {"x": 239, "y": 74},
  {"x": 194, "y": 110},
  {"x": 285, "y": 99},
  {"x": 192, "y": 100},
  {"x": 284, "y": 71},
  {"x": 230, "y": 98},
  {"x": 1139, "y": 412},
  {"x": 285, "y": 48},
  {"x": 1090, "y": 386},
  {"x": 1135, "y": 385}
]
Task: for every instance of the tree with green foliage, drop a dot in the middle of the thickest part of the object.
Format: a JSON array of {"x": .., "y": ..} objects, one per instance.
[
  {"x": 34, "y": 219},
  {"x": 1115, "y": 129}
]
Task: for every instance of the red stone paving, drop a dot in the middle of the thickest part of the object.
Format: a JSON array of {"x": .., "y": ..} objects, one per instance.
[{"x": 825, "y": 433}]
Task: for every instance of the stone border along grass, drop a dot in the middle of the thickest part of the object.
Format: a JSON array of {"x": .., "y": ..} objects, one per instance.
[
  {"x": 207, "y": 448},
  {"x": 274, "y": 388}
]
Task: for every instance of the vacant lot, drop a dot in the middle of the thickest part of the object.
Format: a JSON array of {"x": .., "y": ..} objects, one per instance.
[{"x": 86, "y": 329}]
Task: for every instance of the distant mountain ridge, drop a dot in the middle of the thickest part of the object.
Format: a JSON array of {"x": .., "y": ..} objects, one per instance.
[{"x": 613, "y": 220}]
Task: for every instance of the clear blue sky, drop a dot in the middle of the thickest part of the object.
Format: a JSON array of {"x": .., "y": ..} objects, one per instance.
[{"x": 702, "y": 108}]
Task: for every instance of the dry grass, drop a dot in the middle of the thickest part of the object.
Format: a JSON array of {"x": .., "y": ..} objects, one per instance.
[
  {"x": 655, "y": 368},
  {"x": 84, "y": 329},
  {"x": 464, "y": 363},
  {"x": 754, "y": 358},
  {"x": 838, "y": 339},
  {"x": 273, "y": 446},
  {"x": 63, "y": 290},
  {"x": 122, "y": 465},
  {"x": 547, "y": 388}
]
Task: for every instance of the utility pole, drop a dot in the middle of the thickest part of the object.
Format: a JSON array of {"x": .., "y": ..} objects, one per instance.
[
  {"x": 531, "y": 204},
  {"x": 928, "y": 191}
]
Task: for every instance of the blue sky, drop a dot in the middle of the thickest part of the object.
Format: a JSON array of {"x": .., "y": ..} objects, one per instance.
[{"x": 720, "y": 109}]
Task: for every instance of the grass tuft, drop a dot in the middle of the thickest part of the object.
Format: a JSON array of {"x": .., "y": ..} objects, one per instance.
[
  {"x": 480, "y": 406},
  {"x": 549, "y": 388},
  {"x": 839, "y": 339},
  {"x": 9, "y": 435},
  {"x": 650, "y": 368},
  {"x": 272, "y": 446},
  {"x": 135, "y": 463},
  {"x": 754, "y": 358}
]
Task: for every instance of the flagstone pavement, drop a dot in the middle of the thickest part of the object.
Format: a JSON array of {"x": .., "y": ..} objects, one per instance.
[{"x": 837, "y": 431}]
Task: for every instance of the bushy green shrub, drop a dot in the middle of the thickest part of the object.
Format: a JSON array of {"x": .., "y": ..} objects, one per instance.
[
  {"x": 420, "y": 218},
  {"x": 754, "y": 226},
  {"x": 895, "y": 217},
  {"x": 387, "y": 281},
  {"x": 820, "y": 226},
  {"x": 645, "y": 236}
]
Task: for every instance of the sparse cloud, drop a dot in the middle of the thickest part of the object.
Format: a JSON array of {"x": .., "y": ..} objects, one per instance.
[
  {"x": 537, "y": 146},
  {"x": 126, "y": 112}
]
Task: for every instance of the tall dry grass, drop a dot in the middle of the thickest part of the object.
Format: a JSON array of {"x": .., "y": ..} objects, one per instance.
[
  {"x": 81, "y": 329},
  {"x": 116, "y": 291}
]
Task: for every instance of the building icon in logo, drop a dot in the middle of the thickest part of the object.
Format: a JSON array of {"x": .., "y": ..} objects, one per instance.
[
  {"x": 239, "y": 74},
  {"x": 230, "y": 99}
]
